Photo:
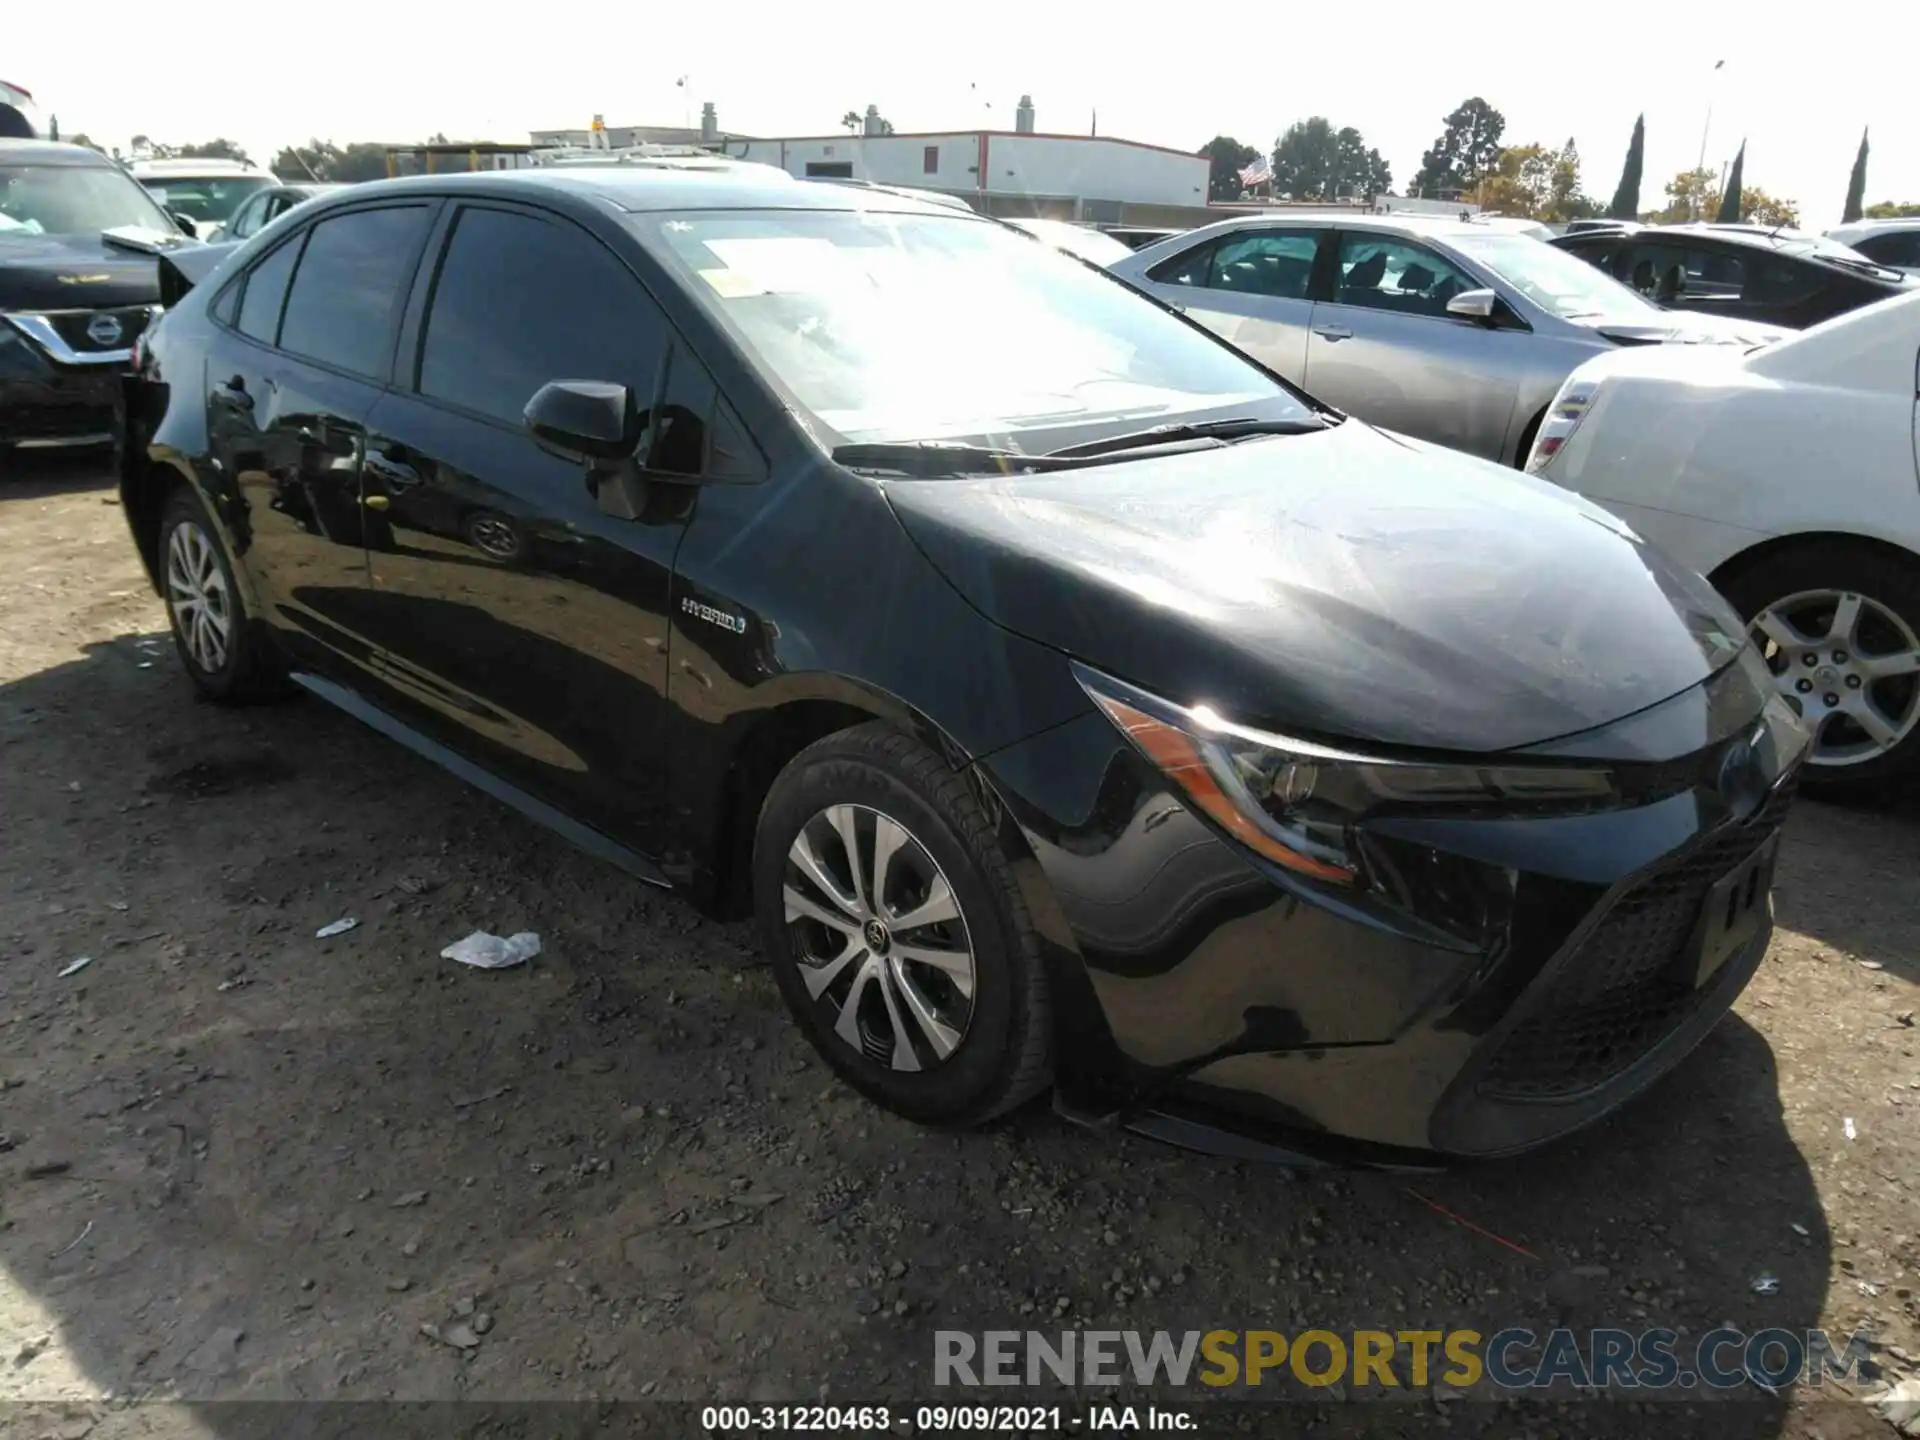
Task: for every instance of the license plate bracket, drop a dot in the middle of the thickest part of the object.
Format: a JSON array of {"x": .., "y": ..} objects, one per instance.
[{"x": 1731, "y": 915}]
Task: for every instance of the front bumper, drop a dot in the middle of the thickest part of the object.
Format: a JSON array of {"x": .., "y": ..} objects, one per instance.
[
  {"x": 1545, "y": 975},
  {"x": 62, "y": 409}
]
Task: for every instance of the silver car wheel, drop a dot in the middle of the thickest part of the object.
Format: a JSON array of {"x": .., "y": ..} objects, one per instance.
[
  {"x": 197, "y": 596},
  {"x": 879, "y": 937},
  {"x": 1851, "y": 668}
]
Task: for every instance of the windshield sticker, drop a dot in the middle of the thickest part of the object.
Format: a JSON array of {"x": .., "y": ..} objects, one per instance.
[
  {"x": 787, "y": 264},
  {"x": 731, "y": 284}
]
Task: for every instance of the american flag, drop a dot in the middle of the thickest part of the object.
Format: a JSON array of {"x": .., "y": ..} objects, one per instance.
[{"x": 1258, "y": 173}]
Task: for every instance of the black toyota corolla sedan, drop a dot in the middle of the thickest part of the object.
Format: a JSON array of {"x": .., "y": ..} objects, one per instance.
[{"x": 1075, "y": 704}]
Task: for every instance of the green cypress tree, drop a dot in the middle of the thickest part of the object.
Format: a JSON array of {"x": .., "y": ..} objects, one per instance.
[
  {"x": 1626, "y": 198},
  {"x": 1857, "y": 185},
  {"x": 1730, "y": 197}
]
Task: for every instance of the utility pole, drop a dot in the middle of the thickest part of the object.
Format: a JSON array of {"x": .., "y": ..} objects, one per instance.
[{"x": 1701, "y": 163}]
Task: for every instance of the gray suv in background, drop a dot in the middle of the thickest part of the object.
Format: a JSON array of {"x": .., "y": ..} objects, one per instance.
[{"x": 1445, "y": 330}]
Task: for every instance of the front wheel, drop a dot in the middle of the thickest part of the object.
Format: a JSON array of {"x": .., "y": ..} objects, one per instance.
[
  {"x": 897, "y": 934},
  {"x": 1839, "y": 625}
]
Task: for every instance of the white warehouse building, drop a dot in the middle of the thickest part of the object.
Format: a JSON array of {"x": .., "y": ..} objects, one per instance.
[{"x": 1090, "y": 178}]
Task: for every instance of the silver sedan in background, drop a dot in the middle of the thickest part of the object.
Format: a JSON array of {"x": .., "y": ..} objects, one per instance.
[{"x": 1445, "y": 330}]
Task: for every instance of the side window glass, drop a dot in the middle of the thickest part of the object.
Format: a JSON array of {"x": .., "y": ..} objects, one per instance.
[
  {"x": 349, "y": 286},
  {"x": 1380, "y": 272},
  {"x": 241, "y": 226},
  {"x": 1189, "y": 268},
  {"x": 1896, "y": 247},
  {"x": 520, "y": 301},
  {"x": 1655, "y": 271},
  {"x": 1714, "y": 275},
  {"x": 1782, "y": 282},
  {"x": 266, "y": 292},
  {"x": 1270, "y": 263}
]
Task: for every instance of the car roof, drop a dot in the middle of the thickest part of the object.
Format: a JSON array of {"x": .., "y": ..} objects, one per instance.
[
  {"x": 1860, "y": 229},
  {"x": 195, "y": 165},
  {"x": 641, "y": 188},
  {"x": 49, "y": 152}
]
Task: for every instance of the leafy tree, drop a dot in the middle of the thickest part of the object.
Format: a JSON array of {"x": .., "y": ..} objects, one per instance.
[
  {"x": 218, "y": 149},
  {"x": 1891, "y": 210},
  {"x": 1566, "y": 199},
  {"x": 851, "y": 120},
  {"x": 314, "y": 160},
  {"x": 1226, "y": 158},
  {"x": 1359, "y": 169},
  {"x": 1730, "y": 197},
  {"x": 1626, "y": 196},
  {"x": 1856, "y": 184},
  {"x": 87, "y": 140},
  {"x": 357, "y": 162},
  {"x": 1519, "y": 182},
  {"x": 1763, "y": 209},
  {"x": 1688, "y": 195},
  {"x": 1467, "y": 149},
  {"x": 1313, "y": 161}
]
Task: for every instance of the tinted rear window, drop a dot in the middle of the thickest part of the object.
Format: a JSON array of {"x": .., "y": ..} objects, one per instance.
[{"x": 349, "y": 287}]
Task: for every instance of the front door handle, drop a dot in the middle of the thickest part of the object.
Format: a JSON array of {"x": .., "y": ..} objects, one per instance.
[
  {"x": 1332, "y": 332},
  {"x": 375, "y": 502}
]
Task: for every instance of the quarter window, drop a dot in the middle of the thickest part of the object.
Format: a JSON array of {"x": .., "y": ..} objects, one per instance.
[
  {"x": 348, "y": 288},
  {"x": 520, "y": 301},
  {"x": 266, "y": 292},
  {"x": 1187, "y": 268},
  {"x": 1384, "y": 273}
]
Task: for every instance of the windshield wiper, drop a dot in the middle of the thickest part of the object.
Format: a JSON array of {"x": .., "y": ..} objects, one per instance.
[
  {"x": 928, "y": 459},
  {"x": 1223, "y": 431}
]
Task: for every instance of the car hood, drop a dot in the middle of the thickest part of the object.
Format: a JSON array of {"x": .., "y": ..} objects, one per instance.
[
  {"x": 1682, "y": 328},
  {"x": 1348, "y": 584},
  {"x": 73, "y": 272}
]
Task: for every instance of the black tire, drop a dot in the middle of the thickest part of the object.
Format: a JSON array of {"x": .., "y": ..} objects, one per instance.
[
  {"x": 1003, "y": 1055},
  {"x": 249, "y": 670},
  {"x": 1875, "y": 575}
]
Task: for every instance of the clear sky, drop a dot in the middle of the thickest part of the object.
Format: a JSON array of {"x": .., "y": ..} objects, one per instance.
[{"x": 1797, "y": 88}]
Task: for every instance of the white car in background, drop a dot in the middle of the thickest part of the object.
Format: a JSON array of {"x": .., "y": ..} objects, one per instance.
[
  {"x": 1790, "y": 477},
  {"x": 205, "y": 191},
  {"x": 1889, "y": 242}
]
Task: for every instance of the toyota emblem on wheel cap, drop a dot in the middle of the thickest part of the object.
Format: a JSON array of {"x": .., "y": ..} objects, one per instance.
[{"x": 104, "y": 329}]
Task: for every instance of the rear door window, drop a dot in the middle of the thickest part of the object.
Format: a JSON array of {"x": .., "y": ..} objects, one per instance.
[
  {"x": 347, "y": 290},
  {"x": 1272, "y": 262},
  {"x": 521, "y": 300},
  {"x": 1896, "y": 247},
  {"x": 1187, "y": 268}
]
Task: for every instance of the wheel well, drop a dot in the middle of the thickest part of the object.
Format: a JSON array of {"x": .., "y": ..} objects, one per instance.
[
  {"x": 144, "y": 487},
  {"x": 762, "y": 754},
  {"x": 1731, "y": 569},
  {"x": 1526, "y": 437}
]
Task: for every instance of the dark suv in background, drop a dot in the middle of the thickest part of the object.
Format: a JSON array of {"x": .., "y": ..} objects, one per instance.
[
  {"x": 1768, "y": 277},
  {"x": 78, "y": 285}
]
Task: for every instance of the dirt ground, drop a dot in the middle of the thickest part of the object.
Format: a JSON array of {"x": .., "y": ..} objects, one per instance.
[{"x": 241, "y": 1162}]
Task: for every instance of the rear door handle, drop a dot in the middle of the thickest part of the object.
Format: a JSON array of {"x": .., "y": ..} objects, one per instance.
[{"x": 1332, "y": 332}]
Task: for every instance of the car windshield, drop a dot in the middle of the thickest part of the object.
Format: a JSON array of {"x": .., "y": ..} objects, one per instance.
[
  {"x": 900, "y": 328},
  {"x": 1089, "y": 245},
  {"x": 73, "y": 200},
  {"x": 1556, "y": 281},
  {"x": 204, "y": 199}
]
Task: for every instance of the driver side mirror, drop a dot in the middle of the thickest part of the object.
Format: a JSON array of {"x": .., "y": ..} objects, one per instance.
[
  {"x": 585, "y": 419},
  {"x": 1479, "y": 305},
  {"x": 188, "y": 226}
]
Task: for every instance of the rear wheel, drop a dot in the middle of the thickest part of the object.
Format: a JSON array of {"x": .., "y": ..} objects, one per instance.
[
  {"x": 896, "y": 932},
  {"x": 1839, "y": 625},
  {"x": 224, "y": 656}
]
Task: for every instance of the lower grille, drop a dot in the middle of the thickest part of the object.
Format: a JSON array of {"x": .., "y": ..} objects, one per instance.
[{"x": 1615, "y": 998}]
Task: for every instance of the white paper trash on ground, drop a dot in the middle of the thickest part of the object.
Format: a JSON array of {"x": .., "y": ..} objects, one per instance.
[
  {"x": 338, "y": 927},
  {"x": 490, "y": 952}
]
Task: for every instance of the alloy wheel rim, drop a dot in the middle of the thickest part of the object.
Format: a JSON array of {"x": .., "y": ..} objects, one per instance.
[
  {"x": 879, "y": 937},
  {"x": 1849, "y": 666},
  {"x": 197, "y": 596}
]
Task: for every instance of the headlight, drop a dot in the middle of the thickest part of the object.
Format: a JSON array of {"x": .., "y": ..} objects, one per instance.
[
  {"x": 1299, "y": 803},
  {"x": 1569, "y": 408}
]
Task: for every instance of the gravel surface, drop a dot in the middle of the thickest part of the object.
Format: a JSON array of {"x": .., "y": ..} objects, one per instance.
[{"x": 240, "y": 1161}]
